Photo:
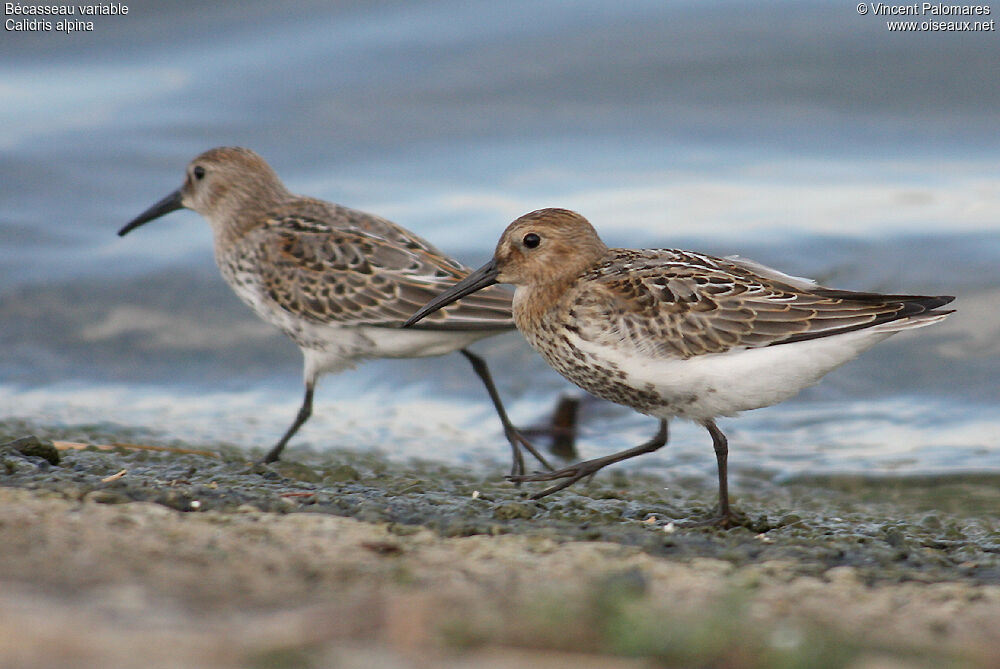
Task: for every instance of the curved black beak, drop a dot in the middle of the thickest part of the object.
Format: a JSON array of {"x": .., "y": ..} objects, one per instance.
[
  {"x": 168, "y": 204},
  {"x": 482, "y": 277}
]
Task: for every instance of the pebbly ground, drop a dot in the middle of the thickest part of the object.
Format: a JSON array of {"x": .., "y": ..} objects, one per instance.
[{"x": 134, "y": 557}]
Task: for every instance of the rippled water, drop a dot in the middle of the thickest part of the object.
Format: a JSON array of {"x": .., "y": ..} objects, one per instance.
[{"x": 799, "y": 134}]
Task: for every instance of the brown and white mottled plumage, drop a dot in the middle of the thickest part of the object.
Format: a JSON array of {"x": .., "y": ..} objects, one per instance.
[
  {"x": 338, "y": 281},
  {"x": 673, "y": 333}
]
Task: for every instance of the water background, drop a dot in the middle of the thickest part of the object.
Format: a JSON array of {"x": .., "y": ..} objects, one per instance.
[{"x": 800, "y": 134}]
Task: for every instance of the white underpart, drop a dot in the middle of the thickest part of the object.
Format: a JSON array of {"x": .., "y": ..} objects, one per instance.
[
  {"x": 329, "y": 348},
  {"x": 723, "y": 384}
]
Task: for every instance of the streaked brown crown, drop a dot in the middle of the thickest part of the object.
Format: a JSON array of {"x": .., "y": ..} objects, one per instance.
[
  {"x": 547, "y": 246},
  {"x": 232, "y": 187}
]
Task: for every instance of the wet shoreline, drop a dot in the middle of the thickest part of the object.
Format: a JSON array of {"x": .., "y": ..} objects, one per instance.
[
  {"x": 891, "y": 529},
  {"x": 349, "y": 555}
]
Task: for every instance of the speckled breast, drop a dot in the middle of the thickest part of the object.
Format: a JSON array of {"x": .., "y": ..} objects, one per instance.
[
  {"x": 240, "y": 272},
  {"x": 598, "y": 377}
]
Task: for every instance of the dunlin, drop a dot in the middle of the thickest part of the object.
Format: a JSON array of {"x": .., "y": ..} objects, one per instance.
[
  {"x": 673, "y": 333},
  {"x": 338, "y": 281}
]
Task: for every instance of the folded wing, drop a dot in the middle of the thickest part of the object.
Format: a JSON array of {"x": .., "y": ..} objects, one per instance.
[
  {"x": 680, "y": 304},
  {"x": 352, "y": 268}
]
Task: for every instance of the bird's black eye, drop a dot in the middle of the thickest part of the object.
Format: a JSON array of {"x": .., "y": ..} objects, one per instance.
[
  {"x": 531, "y": 240},
  {"x": 198, "y": 172}
]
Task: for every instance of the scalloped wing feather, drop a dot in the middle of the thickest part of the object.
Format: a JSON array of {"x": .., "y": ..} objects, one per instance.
[
  {"x": 680, "y": 304},
  {"x": 331, "y": 264}
]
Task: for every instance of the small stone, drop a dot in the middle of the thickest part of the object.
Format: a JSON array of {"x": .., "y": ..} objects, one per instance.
[
  {"x": 341, "y": 473},
  {"x": 297, "y": 472},
  {"x": 16, "y": 465},
  {"x": 789, "y": 519},
  {"x": 105, "y": 497},
  {"x": 895, "y": 537},
  {"x": 285, "y": 505},
  {"x": 953, "y": 532},
  {"x": 32, "y": 446},
  {"x": 842, "y": 575},
  {"x": 514, "y": 510},
  {"x": 175, "y": 500}
]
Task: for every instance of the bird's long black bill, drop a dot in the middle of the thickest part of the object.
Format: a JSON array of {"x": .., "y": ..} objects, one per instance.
[
  {"x": 482, "y": 277},
  {"x": 168, "y": 204}
]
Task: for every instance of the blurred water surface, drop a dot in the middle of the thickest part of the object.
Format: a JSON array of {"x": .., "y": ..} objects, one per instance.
[{"x": 797, "y": 133}]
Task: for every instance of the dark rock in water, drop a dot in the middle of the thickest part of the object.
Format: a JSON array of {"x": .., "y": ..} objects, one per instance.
[
  {"x": 32, "y": 446},
  {"x": 564, "y": 428}
]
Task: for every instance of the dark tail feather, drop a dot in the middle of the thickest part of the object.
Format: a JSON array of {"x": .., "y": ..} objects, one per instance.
[{"x": 911, "y": 306}]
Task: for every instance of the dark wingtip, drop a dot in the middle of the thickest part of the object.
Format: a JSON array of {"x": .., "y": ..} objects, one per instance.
[
  {"x": 913, "y": 303},
  {"x": 945, "y": 299},
  {"x": 916, "y": 305},
  {"x": 911, "y": 306}
]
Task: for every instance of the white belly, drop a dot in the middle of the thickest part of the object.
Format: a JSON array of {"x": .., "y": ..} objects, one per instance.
[
  {"x": 332, "y": 347},
  {"x": 328, "y": 348},
  {"x": 721, "y": 384}
]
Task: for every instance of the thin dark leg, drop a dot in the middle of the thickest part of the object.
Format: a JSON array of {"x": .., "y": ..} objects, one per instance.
[
  {"x": 574, "y": 473},
  {"x": 304, "y": 412},
  {"x": 726, "y": 517},
  {"x": 513, "y": 436}
]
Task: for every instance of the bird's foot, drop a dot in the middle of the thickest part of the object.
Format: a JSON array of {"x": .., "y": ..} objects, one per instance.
[
  {"x": 571, "y": 474},
  {"x": 517, "y": 442}
]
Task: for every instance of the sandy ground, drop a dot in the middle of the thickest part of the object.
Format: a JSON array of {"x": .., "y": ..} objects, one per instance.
[{"x": 91, "y": 576}]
